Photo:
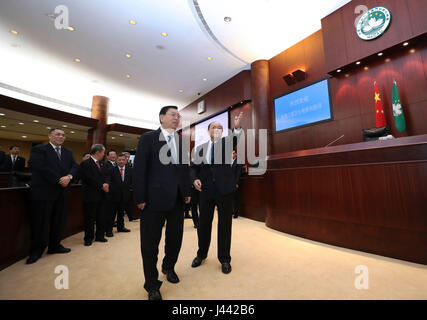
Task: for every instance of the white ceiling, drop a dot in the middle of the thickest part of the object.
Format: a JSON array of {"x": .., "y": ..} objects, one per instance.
[{"x": 38, "y": 64}]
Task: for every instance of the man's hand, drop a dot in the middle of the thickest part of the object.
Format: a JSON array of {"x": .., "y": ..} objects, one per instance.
[
  {"x": 105, "y": 187},
  {"x": 187, "y": 199},
  {"x": 141, "y": 206},
  {"x": 64, "y": 181},
  {"x": 237, "y": 186},
  {"x": 237, "y": 120},
  {"x": 198, "y": 185}
]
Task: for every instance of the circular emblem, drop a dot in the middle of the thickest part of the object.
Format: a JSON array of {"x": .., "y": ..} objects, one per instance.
[{"x": 373, "y": 23}]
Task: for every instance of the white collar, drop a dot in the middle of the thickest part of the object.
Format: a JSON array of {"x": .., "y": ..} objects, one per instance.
[
  {"x": 166, "y": 132},
  {"x": 54, "y": 147}
]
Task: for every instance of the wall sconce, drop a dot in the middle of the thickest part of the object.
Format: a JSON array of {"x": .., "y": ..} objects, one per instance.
[{"x": 297, "y": 75}]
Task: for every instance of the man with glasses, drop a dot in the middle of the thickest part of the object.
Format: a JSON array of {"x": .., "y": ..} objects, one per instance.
[
  {"x": 53, "y": 168},
  {"x": 161, "y": 185}
]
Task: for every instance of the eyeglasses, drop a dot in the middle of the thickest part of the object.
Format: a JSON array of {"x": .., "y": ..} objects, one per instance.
[{"x": 174, "y": 115}]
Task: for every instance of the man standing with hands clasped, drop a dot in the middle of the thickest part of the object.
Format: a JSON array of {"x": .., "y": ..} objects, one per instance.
[
  {"x": 53, "y": 168},
  {"x": 213, "y": 176},
  {"x": 161, "y": 185}
]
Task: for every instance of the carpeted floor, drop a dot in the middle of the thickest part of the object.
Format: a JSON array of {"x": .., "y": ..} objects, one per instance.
[{"x": 266, "y": 265}]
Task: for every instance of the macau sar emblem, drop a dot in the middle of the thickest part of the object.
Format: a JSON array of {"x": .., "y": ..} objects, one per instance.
[{"x": 373, "y": 23}]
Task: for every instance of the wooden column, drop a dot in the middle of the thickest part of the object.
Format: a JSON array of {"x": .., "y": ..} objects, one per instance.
[
  {"x": 261, "y": 106},
  {"x": 100, "y": 107}
]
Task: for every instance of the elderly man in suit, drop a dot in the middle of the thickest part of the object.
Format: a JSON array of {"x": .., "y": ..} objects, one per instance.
[
  {"x": 213, "y": 176},
  {"x": 53, "y": 168},
  {"x": 96, "y": 181},
  {"x": 161, "y": 187}
]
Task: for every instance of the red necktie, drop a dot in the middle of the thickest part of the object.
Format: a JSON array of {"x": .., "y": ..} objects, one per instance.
[
  {"x": 121, "y": 173},
  {"x": 97, "y": 163}
]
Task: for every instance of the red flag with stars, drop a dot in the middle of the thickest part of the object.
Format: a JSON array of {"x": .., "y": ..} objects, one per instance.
[{"x": 379, "y": 111}]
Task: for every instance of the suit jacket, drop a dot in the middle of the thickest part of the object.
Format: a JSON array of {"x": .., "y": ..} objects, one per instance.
[
  {"x": 47, "y": 169},
  {"x": 120, "y": 190},
  {"x": 218, "y": 176},
  {"x": 237, "y": 171},
  {"x": 92, "y": 180},
  {"x": 108, "y": 165},
  {"x": 155, "y": 183},
  {"x": 2, "y": 158},
  {"x": 19, "y": 164}
]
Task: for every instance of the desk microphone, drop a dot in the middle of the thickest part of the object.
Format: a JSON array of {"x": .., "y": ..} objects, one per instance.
[{"x": 333, "y": 141}]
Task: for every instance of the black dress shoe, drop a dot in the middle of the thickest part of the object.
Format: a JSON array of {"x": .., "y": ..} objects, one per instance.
[
  {"x": 171, "y": 276},
  {"x": 154, "y": 295},
  {"x": 197, "y": 262},
  {"x": 59, "y": 249},
  {"x": 123, "y": 230},
  {"x": 32, "y": 259},
  {"x": 226, "y": 268},
  {"x": 109, "y": 234},
  {"x": 101, "y": 240},
  {"x": 88, "y": 243}
]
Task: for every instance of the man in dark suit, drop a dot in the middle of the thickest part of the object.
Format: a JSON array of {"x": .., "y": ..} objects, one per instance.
[
  {"x": 161, "y": 187},
  {"x": 237, "y": 172},
  {"x": 53, "y": 168},
  {"x": 14, "y": 162},
  {"x": 95, "y": 180},
  {"x": 111, "y": 159},
  {"x": 119, "y": 195},
  {"x": 212, "y": 175},
  {"x": 2, "y": 159}
]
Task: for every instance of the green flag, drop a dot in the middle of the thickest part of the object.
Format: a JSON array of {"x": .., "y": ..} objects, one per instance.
[{"x": 399, "y": 117}]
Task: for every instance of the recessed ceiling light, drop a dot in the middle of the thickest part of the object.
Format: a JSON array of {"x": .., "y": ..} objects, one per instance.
[
  {"x": 132, "y": 22},
  {"x": 164, "y": 34},
  {"x": 3, "y": 126},
  {"x": 181, "y": 90},
  {"x": 14, "y": 32},
  {"x": 210, "y": 58},
  {"x": 412, "y": 50},
  {"x": 204, "y": 79},
  {"x": 128, "y": 76},
  {"x": 128, "y": 55},
  {"x": 227, "y": 19},
  {"x": 339, "y": 70},
  {"x": 358, "y": 62},
  {"x": 366, "y": 68},
  {"x": 48, "y": 128},
  {"x": 21, "y": 123},
  {"x": 347, "y": 75},
  {"x": 380, "y": 54},
  {"x": 77, "y": 60},
  {"x": 35, "y": 120},
  {"x": 2, "y": 114},
  {"x": 387, "y": 60},
  {"x": 121, "y": 135},
  {"x": 70, "y": 29},
  {"x": 72, "y": 132},
  {"x": 405, "y": 44},
  {"x": 24, "y": 137},
  {"x": 64, "y": 126},
  {"x": 113, "y": 137}
]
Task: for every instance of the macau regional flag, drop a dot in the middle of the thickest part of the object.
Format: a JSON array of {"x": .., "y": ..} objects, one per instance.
[{"x": 399, "y": 117}]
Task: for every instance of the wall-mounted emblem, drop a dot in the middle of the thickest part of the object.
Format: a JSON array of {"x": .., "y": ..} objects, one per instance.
[{"x": 373, "y": 23}]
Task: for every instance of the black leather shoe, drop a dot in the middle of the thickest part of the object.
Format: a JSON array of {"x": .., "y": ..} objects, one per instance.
[
  {"x": 109, "y": 234},
  {"x": 171, "y": 276},
  {"x": 197, "y": 262},
  {"x": 88, "y": 243},
  {"x": 32, "y": 259},
  {"x": 59, "y": 249},
  {"x": 123, "y": 230},
  {"x": 101, "y": 240},
  {"x": 154, "y": 295},
  {"x": 226, "y": 267}
]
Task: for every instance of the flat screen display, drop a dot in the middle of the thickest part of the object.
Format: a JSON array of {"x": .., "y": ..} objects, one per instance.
[
  {"x": 303, "y": 107},
  {"x": 201, "y": 129}
]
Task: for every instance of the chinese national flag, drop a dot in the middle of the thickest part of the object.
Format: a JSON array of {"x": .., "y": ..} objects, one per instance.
[{"x": 379, "y": 111}]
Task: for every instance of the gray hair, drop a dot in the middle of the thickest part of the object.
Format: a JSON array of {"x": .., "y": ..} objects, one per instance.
[{"x": 96, "y": 148}]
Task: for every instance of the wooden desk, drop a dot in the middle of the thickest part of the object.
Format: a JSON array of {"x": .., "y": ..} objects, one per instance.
[{"x": 369, "y": 196}]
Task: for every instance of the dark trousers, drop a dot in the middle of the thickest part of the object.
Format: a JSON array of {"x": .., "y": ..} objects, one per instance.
[
  {"x": 207, "y": 208},
  {"x": 129, "y": 208},
  {"x": 47, "y": 219},
  {"x": 115, "y": 208},
  {"x": 94, "y": 213},
  {"x": 152, "y": 223}
]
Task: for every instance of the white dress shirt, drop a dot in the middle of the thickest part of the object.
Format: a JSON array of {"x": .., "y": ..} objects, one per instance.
[{"x": 172, "y": 142}]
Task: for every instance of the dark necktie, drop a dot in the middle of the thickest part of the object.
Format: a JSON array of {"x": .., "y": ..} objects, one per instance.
[
  {"x": 58, "y": 152},
  {"x": 211, "y": 161},
  {"x": 121, "y": 173}
]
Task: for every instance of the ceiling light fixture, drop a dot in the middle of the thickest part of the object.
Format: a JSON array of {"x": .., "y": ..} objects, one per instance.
[
  {"x": 2, "y": 114},
  {"x": 24, "y": 137},
  {"x": 64, "y": 126},
  {"x": 405, "y": 44},
  {"x": 35, "y": 120},
  {"x": 227, "y": 19},
  {"x": 181, "y": 90},
  {"x": 380, "y": 54},
  {"x": 133, "y": 22},
  {"x": 128, "y": 76},
  {"x": 204, "y": 79},
  {"x": 164, "y": 34},
  {"x": 358, "y": 62},
  {"x": 21, "y": 123},
  {"x": 14, "y": 32},
  {"x": 339, "y": 70},
  {"x": 70, "y": 29},
  {"x": 128, "y": 55},
  {"x": 77, "y": 60},
  {"x": 210, "y": 58}
]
